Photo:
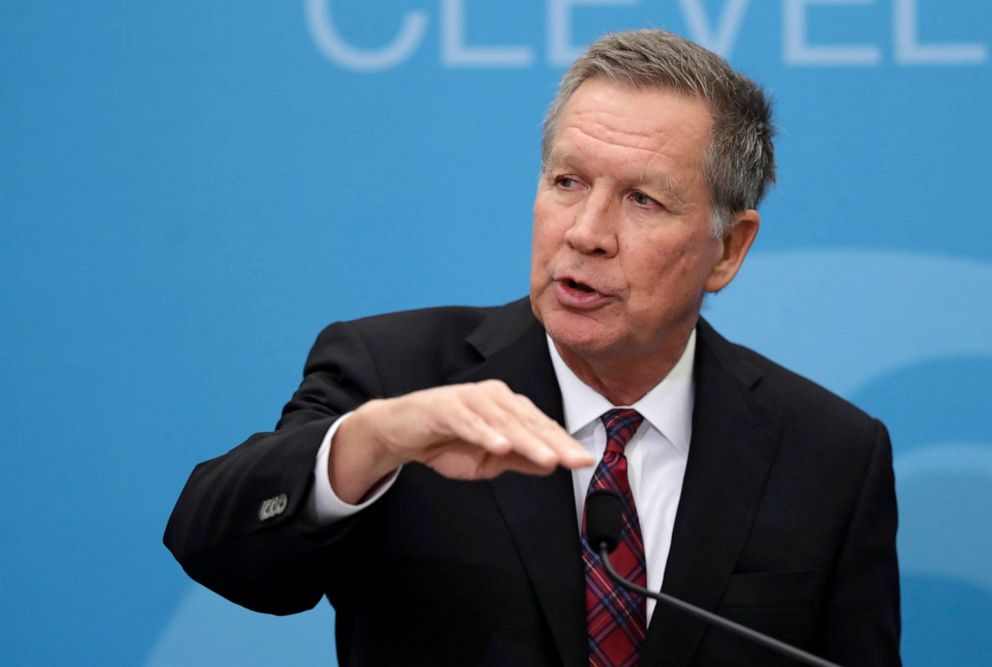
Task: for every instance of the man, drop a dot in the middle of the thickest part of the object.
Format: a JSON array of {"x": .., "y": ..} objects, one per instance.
[{"x": 422, "y": 479}]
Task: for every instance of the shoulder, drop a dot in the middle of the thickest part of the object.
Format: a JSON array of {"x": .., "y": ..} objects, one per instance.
[
  {"x": 800, "y": 406},
  {"x": 413, "y": 328},
  {"x": 419, "y": 347},
  {"x": 451, "y": 321}
]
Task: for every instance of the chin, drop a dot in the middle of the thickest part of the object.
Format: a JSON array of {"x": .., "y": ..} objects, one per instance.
[{"x": 578, "y": 333}]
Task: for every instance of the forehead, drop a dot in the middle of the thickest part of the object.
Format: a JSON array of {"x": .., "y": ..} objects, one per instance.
[{"x": 633, "y": 124}]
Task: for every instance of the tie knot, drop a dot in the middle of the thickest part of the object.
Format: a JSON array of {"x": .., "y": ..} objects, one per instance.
[{"x": 621, "y": 425}]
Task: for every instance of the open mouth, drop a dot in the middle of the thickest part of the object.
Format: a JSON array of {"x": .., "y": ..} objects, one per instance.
[
  {"x": 582, "y": 287},
  {"x": 572, "y": 293}
]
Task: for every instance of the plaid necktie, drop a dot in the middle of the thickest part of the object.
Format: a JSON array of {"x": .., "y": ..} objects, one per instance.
[{"x": 616, "y": 618}]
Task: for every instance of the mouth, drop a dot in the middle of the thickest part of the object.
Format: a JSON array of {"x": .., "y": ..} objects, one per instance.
[
  {"x": 573, "y": 293},
  {"x": 574, "y": 284}
]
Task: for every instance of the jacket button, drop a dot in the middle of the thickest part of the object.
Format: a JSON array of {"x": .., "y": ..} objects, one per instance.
[{"x": 272, "y": 507}]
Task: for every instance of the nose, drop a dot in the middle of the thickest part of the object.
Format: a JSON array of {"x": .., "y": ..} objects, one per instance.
[{"x": 593, "y": 231}]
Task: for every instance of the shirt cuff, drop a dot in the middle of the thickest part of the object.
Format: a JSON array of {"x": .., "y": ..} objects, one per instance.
[{"x": 324, "y": 506}]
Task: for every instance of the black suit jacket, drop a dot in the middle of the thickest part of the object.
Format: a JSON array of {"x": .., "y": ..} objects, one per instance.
[{"x": 786, "y": 521}]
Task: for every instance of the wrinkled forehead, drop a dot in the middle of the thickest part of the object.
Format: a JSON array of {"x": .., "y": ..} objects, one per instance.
[
  {"x": 632, "y": 124},
  {"x": 630, "y": 86},
  {"x": 637, "y": 110}
]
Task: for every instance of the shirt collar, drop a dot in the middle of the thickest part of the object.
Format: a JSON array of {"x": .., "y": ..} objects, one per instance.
[{"x": 667, "y": 407}]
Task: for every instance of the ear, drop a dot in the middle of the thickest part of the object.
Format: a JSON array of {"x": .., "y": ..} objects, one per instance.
[{"x": 733, "y": 249}]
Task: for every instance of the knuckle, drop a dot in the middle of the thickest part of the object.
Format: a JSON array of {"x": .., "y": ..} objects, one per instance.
[
  {"x": 500, "y": 421},
  {"x": 525, "y": 402},
  {"x": 475, "y": 423},
  {"x": 467, "y": 395},
  {"x": 437, "y": 422},
  {"x": 495, "y": 385}
]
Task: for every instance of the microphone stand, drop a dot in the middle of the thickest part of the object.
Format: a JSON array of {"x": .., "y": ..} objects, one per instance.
[{"x": 719, "y": 621}]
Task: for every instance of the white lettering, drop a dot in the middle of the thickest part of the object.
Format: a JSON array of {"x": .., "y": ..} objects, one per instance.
[
  {"x": 727, "y": 27},
  {"x": 715, "y": 25},
  {"x": 799, "y": 52},
  {"x": 454, "y": 52},
  {"x": 911, "y": 52},
  {"x": 318, "y": 13},
  {"x": 561, "y": 52}
]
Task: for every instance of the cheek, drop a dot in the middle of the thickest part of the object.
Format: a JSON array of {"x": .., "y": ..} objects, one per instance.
[
  {"x": 545, "y": 237},
  {"x": 539, "y": 244},
  {"x": 657, "y": 259},
  {"x": 541, "y": 251},
  {"x": 660, "y": 271}
]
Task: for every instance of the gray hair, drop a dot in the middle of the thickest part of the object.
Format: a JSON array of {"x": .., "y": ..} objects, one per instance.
[{"x": 740, "y": 161}]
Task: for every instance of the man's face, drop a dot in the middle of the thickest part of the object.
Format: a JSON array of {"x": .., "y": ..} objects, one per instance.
[{"x": 622, "y": 249}]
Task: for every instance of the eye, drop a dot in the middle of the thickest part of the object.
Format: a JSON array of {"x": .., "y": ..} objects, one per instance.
[
  {"x": 566, "y": 182},
  {"x": 643, "y": 200}
]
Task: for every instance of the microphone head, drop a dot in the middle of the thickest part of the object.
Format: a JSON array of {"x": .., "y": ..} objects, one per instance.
[{"x": 603, "y": 519}]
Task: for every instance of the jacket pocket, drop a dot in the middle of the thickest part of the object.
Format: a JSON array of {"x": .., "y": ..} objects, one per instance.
[{"x": 773, "y": 589}]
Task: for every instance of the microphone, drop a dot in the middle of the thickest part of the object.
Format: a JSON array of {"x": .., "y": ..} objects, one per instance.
[{"x": 603, "y": 524}]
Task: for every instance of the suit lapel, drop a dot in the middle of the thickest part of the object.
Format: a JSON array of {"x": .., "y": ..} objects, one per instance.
[
  {"x": 539, "y": 511},
  {"x": 733, "y": 445}
]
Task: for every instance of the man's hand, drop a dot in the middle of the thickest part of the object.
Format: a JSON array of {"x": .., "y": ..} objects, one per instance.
[{"x": 466, "y": 431}]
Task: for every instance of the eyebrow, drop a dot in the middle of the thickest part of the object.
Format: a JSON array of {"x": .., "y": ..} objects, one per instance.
[
  {"x": 670, "y": 185},
  {"x": 563, "y": 158}
]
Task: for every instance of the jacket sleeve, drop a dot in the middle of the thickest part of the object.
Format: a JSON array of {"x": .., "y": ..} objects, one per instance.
[
  {"x": 861, "y": 622},
  {"x": 239, "y": 526}
]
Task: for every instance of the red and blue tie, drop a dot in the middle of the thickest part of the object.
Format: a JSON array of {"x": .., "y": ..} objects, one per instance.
[{"x": 616, "y": 618}]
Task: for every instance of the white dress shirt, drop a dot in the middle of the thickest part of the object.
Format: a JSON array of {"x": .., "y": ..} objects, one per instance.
[{"x": 656, "y": 456}]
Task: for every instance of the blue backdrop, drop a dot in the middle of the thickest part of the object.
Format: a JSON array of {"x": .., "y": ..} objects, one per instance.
[{"x": 189, "y": 191}]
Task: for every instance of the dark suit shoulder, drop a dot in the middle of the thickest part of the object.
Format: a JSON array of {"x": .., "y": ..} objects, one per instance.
[
  {"x": 412, "y": 326},
  {"x": 795, "y": 388},
  {"x": 797, "y": 402},
  {"x": 415, "y": 349}
]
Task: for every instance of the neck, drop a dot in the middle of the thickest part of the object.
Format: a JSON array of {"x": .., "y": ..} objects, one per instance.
[{"x": 625, "y": 380}]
